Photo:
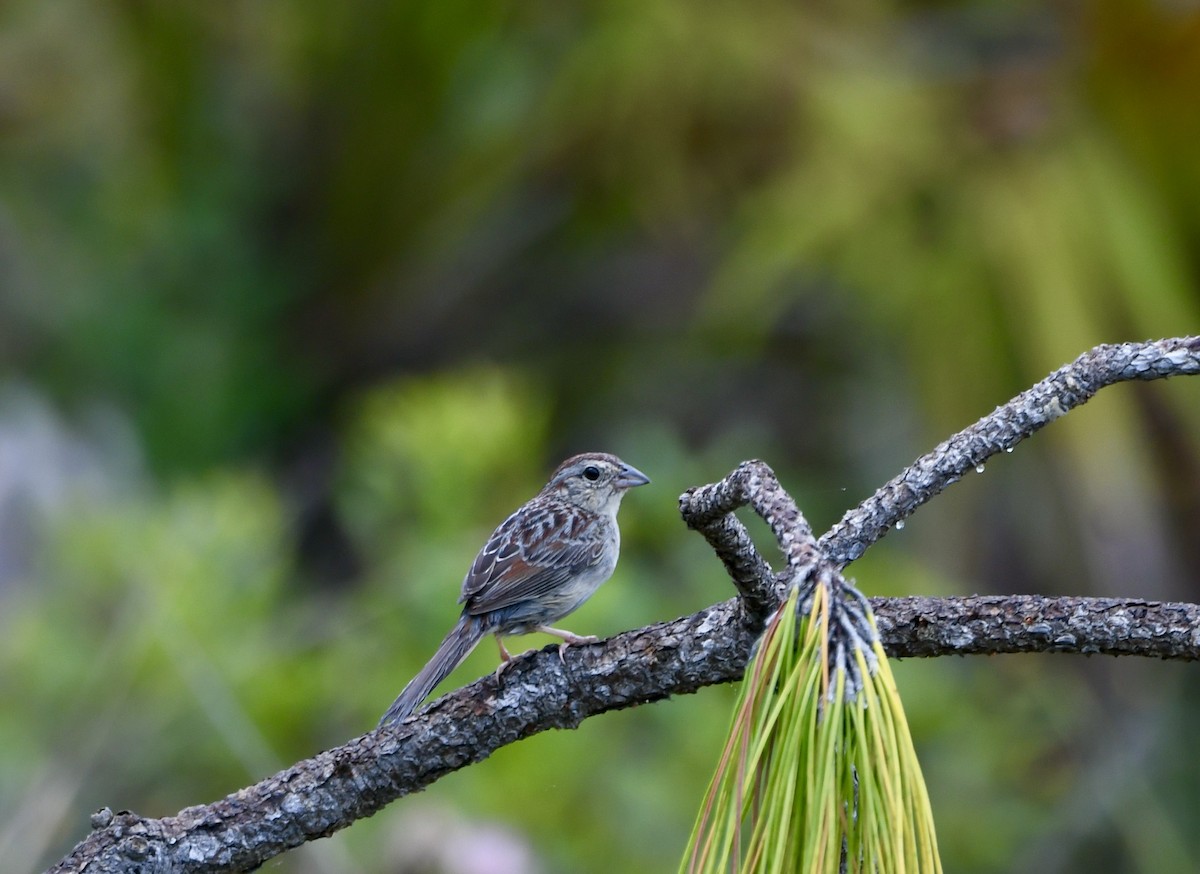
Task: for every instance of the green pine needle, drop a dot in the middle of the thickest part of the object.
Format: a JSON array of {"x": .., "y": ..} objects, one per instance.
[{"x": 819, "y": 773}]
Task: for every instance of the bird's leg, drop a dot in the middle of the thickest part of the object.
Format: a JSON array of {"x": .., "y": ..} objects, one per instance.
[
  {"x": 505, "y": 658},
  {"x": 569, "y": 639}
]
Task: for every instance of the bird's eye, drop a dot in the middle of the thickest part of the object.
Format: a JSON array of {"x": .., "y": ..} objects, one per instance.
[{"x": 591, "y": 472}]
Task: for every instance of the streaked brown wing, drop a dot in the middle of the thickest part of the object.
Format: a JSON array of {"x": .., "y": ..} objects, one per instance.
[{"x": 534, "y": 551}]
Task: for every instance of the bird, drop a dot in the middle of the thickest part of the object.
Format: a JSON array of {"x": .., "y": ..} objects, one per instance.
[{"x": 540, "y": 564}]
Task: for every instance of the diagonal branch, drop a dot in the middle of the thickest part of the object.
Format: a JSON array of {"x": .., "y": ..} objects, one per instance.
[
  {"x": 328, "y": 792},
  {"x": 1002, "y": 429}
]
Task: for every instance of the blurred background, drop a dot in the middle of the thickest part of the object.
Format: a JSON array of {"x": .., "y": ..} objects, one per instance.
[{"x": 298, "y": 301}]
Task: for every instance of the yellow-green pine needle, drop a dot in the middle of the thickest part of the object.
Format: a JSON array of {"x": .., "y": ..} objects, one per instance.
[{"x": 784, "y": 796}]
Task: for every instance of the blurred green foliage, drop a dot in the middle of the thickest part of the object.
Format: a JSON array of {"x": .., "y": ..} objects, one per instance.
[{"x": 317, "y": 294}]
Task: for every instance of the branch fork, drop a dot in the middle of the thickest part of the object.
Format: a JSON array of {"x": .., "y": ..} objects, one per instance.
[{"x": 709, "y": 509}]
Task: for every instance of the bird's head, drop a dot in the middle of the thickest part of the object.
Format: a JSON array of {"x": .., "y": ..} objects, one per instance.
[{"x": 595, "y": 481}]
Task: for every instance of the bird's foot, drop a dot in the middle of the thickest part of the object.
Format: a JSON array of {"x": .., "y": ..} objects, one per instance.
[{"x": 568, "y": 638}]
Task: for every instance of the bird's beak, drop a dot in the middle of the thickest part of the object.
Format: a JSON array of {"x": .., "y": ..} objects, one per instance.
[{"x": 629, "y": 477}]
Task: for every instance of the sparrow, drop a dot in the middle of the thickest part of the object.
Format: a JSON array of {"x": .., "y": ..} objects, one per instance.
[{"x": 540, "y": 564}]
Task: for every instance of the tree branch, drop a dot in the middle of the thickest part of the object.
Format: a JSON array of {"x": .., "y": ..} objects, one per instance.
[
  {"x": 1001, "y": 430},
  {"x": 328, "y": 792},
  {"x": 986, "y": 625}
]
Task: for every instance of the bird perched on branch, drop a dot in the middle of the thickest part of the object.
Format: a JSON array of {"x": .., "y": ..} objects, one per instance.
[{"x": 543, "y": 562}]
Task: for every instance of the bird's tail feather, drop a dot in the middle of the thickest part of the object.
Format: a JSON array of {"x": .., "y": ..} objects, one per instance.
[{"x": 456, "y": 646}]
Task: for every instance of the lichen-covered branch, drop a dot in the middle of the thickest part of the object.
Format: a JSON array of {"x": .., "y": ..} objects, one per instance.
[
  {"x": 709, "y": 509},
  {"x": 986, "y": 625},
  {"x": 328, "y": 792},
  {"x": 1001, "y": 430}
]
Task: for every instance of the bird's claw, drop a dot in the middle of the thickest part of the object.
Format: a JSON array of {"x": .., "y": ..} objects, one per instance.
[{"x": 574, "y": 640}]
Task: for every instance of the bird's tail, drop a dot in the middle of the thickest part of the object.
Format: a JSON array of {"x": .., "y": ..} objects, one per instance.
[{"x": 456, "y": 646}]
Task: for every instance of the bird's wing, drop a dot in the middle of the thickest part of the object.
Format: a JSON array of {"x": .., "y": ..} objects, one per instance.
[{"x": 534, "y": 551}]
